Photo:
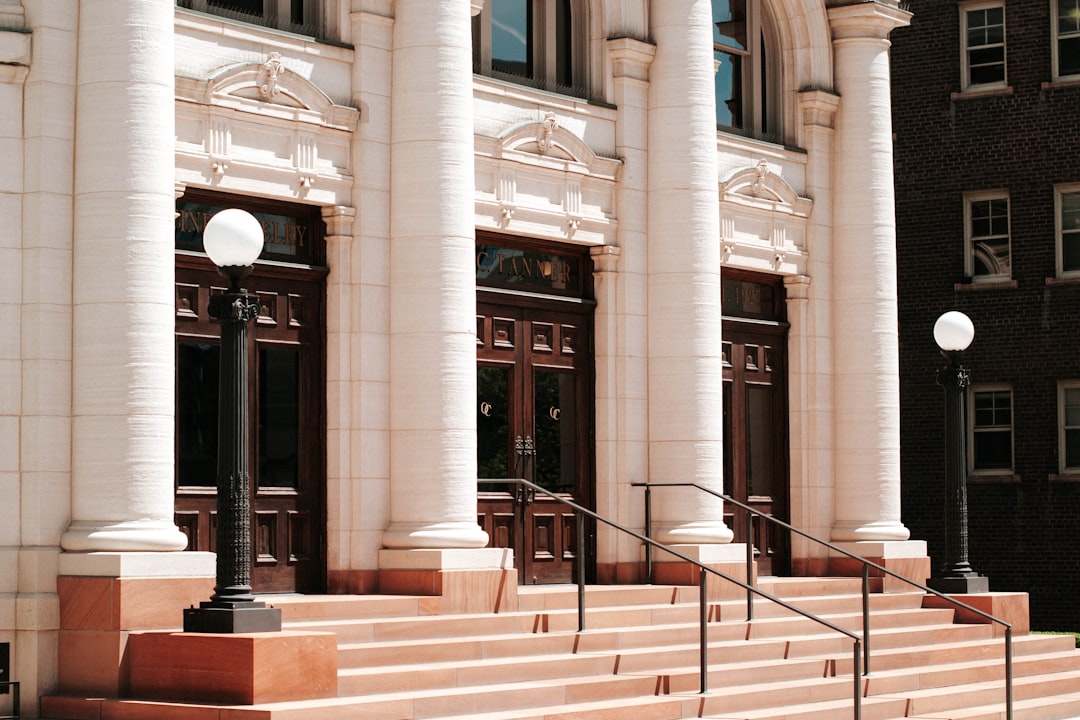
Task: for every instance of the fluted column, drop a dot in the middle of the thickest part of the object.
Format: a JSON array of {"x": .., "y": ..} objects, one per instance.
[
  {"x": 432, "y": 280},
  {"x": 685, "y": 368},
  {"x": 867, "y": 384},
  {"x": 123, "y": 267}
]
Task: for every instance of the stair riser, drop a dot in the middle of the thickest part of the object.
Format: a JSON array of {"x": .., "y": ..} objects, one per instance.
[{"x": 466, "y": 675}]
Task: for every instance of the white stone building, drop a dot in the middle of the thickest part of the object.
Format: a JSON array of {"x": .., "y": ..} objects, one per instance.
[{"x": 592, "y": 243}]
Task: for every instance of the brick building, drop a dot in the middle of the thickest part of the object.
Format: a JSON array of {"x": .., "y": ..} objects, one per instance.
[{"x": 987, "y": 101}]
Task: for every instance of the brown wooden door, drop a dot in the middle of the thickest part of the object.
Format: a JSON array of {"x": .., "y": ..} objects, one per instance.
[
  {"x": 286, "y": 370},
  {"x": 534, "y": 422},
  {"x": 756, "y": 437}
]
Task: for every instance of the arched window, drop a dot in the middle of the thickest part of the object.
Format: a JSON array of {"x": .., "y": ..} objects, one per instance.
[
  {"x": 533, "y": 42},
  {"x": 748, "y": 69}
]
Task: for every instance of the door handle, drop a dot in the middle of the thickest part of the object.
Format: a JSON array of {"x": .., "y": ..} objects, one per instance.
[{"x": 524, "y": 453}]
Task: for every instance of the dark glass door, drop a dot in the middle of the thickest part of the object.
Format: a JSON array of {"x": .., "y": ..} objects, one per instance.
[
  {"x": 756, "y": 437},
  {"x": 534, "y": 422},
  {"x": 286, "y": 361}
]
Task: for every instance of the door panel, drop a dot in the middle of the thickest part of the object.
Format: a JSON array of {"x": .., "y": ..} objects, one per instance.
[
  {"x": 286, "y": 361},
  {"x": 755, "y": 437},
  {"x": 533, "y": 422}
]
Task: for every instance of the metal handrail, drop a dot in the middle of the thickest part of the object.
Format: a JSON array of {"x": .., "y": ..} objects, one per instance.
[
  {"x": 866, "y": 565},
  {"x": 703, "y": 570}
]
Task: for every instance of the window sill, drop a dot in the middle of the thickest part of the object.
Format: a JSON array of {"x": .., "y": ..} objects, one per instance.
[
  {"x": 995, "y": 285},
  {"x": 1069, "y": 477},
  {"x": 1068, "y": 82},
  {"x": 1070, "y": 280},
  {"x": 973, "y": 93},
  {"x": 989, "y": 479}
]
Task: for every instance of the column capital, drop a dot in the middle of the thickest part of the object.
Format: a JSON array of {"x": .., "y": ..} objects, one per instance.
[
  {"x": 338, "y": 219},
  {"x": 866, "y": 19},
  {"x": 797, "y": 287},
  {"x": 605, "y": 258},
  {"x": 819, "y": 107},
  {"x": 630, "y": 58}
]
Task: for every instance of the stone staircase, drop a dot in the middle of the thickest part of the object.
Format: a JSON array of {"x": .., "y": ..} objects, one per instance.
[{"x": 400, "y": 659}]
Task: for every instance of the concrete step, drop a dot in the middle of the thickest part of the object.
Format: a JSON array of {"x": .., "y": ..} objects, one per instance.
[{"x": 638, "y": 660}]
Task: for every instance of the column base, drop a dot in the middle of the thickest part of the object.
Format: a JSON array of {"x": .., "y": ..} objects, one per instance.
[
  {"x": 105, "y": 596},
  {"x": 729, "y": 559},
  {"x": 479, "y": 580},
  {"x": 907, "y": 558},
  {"x": 133, "y": 536}
]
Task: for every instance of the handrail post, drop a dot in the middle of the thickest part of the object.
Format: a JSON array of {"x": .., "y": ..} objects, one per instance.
[
  {"x": 1008, "y": 674},
  {"x": 749, "y": 566},
  {"x": 866, "y": 618},
  {"x": 703, "y": 652},
  {"x": 580, "y": 518},
  {"x": 858, "y": 682},
  {"x": 648, "y": 534}
]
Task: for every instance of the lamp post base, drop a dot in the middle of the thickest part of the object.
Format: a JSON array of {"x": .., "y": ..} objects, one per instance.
[
  {"x": 960, "y": 585},
  {"x": 232, "y": 617}
]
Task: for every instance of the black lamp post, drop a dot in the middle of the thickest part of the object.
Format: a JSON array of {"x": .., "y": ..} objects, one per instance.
[
  {"x": 233, "y": 239},
  {"x": 953, "y": 332}
]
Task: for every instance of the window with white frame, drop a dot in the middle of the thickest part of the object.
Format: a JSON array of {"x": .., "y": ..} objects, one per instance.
[
  {"x": 983, "y": 43},
  {"x": 986, "y": 234},
  {"x": 297, "y": 16},
  {"x": 990, "y": 430},
  {"x": 1069, "y": 426},
  {"x": 1066, "y": 49},
  {"x": 748, "y": 81},
  {"x": 540, "y": 43},
  {"x": 1067, "y": 201}
]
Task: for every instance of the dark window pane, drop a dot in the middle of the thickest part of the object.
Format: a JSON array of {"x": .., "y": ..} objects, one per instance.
[
  {"x": 993, "y": 450},
  {"x": 729, "y": 470},
  {"x": 987, "y": 74},
  {"x": 564, "y": 44},
  {"x": 196, "y": 414},
  {"x": 760, "y": 433},
  {"x": 1069, "y": 56},
  {"x": 511, "y": 37},
  {"x": 1068, "y": 16},
  {"x": 279, "y": 417},
  {"x": 492, "y": 424},
  {"x": 250, "y": 7},
  {"x": 729, "y": 92},
  {"x": 555, "y": 426},
  {"x": 1072, "y": 448}
]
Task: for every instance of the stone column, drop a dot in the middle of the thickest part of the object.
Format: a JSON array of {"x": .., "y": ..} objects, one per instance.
[
  {"x": 432, "y": 281},
  {"x": 684, "y": 350},
  {"x": 866, "y": 362},
  {"x": 123, "y": 268}
]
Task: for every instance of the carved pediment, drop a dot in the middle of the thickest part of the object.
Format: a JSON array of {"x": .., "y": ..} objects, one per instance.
[
  {"x": 267, "y": 87},
  {"x": 758, "y": 186},
  {"x": 547, "y": 139}
]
